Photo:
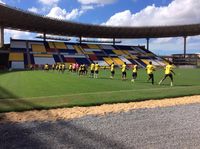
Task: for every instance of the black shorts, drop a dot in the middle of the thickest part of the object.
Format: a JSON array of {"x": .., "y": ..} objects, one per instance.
[
  {"x": 151, "y": 76},
  {"x": 97, "y": 71},
  {"x": 112, "y": 72},
  {"x": 124, "y": 73},
  {"x": 92, "y": 71},
  {"x": 169, "y": 75},
  {"x": 134, "y": 74}
]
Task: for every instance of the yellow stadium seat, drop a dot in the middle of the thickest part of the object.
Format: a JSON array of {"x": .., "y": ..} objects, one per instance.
[
  {"x": 127, "y": 57},
  {"x": 133, "y": 57},
  {"x": 78, "y": 49},
  {"x": 165, "y": 62},
  {"x": 118, "y": 61},
  {"x": 60, "y": 45},
  {"x": 38, "y": 48},
  {"x": 43, "y": 55},
  {"x": 93, "y": 46},
  {"x": 16, "y": 56},
  {"x": 149, "y": 54},
  {"x": 126, "y": 52},
  {"x": 145, "y": 61},
  {"x": 51, "y": 45},
  {"x": 118, "y": 52},
  {"x": 109, "y": 61}
]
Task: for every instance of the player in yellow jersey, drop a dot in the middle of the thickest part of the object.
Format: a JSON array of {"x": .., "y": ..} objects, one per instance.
[
  {"x": 46, "y": 67},
  {"x": 70, "y": 68},
  {"x": 31, "y": 67},
  {"x": 92, "y": 70},
  {"x": 60, "y": 67},
  {"x": 168, "y": 73},
  {"x": 112, "y": 70},
  {"x": 84, "y": 69},
  {"x": 96, "y": 70},
  {"x": 134, "y": 74},
  {"x": 80, "y": 69},
  {"x": 124, "y": 71},
  {"x": 150, "y": 69},
  {"x": 53, "y": 67},
  {"x": 57, "y": 66},
  {"x": 63, "y": 68}
]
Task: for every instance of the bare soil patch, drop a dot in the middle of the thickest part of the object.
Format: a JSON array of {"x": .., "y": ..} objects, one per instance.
[{"x": 77, "y": 112}]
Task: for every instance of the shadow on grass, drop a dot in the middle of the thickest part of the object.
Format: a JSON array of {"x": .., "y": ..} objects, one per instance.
[
  {"x": 2, "y": 72},
  {"x": 11, "y": 101},
  {"x": 6, "y": 94},
  {"x": 60, "y": 134}
]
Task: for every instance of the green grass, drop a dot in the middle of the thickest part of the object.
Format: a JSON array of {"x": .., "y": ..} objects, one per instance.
[{"x": 26, "y": 90}]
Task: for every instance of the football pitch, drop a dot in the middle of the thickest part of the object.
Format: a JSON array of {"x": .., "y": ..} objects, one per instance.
[{"x": 28, "y": 90}]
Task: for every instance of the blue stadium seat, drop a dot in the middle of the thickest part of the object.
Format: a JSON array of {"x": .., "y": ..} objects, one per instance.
[
  {"x": 82, "y": 61},
  {"x": 107, "y": 51},
  {"x": 56, "y": 58}
]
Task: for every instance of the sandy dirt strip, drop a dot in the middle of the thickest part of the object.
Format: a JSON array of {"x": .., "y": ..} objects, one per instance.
[{"x": 78, "y": 112}]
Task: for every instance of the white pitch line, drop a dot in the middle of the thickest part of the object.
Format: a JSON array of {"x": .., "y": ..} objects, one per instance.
[{"x": 105, "y": 92}]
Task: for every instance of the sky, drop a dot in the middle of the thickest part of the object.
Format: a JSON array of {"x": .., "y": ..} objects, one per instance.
[{"x": 120, "y": 13}]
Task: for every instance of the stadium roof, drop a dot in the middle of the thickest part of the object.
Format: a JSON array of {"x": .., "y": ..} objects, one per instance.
[{"x": 13, "y": 18}]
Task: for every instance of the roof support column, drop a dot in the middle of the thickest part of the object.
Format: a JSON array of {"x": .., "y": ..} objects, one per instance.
[
  {"x": 148, "y": 44},
  {"x": 80, "y": 40},
  {"x": 185, "y": 45},
  {"x": 114, "y": 42},
  {"x": 44, "y": 36},
  {"x": 1, "y": 37}
]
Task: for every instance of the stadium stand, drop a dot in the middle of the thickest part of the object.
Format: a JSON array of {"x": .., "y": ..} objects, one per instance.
[
  {"x": 189, "y": 59},
  {"x": 25, "y": 52}
]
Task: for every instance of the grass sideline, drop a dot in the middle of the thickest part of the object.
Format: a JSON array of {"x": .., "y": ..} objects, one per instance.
[{"x": 28, "y": 90}]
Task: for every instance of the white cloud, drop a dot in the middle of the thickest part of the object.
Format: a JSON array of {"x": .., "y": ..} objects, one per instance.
[
  {"x": 177, "y": 12},
  {"x": 33, "y": 9},
  {"x": 57, "y": 12},
  {"x": 16, "y": 34},
  {"x": 162, "y": 40},
  {"x": 1, "y": 2},
  {"x": 49, "y": 2},
  {"x": 96, "y": 2},
  {"x": 87, "y": 7},
  {"x": 92, "y": 4}
]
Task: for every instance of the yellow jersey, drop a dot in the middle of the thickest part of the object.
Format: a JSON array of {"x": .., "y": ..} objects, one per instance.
[
  {"x": 46, "y": 66},
  {"x": 92, "y": 66},
  {"x": 112, "y": 67},
  {"x": 60, "y": 67},
  {"x": 70, "y": 67},
  {"x": 168, "y": 69},
  {"x": 57, "y": 67},
  {"x": 135, "y": 68},
  {"x": 123, "y": 67},
  {"x": 80, "y": 68},
  {"x": 150, "y": 69},
  {"x": 63, "y": 66},
  {"x": 83, "y": 67},
  {"x": 96, "y": 67}
]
